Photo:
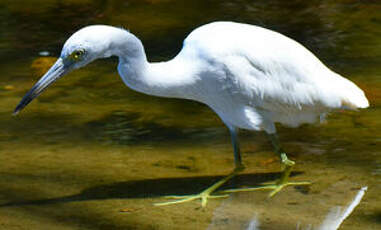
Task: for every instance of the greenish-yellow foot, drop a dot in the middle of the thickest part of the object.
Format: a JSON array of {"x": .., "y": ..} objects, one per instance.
[
  {"x": 204, "y": 195},
  {"x": 276, "y": 186}
]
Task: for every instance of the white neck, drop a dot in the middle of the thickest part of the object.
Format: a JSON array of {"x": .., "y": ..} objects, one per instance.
[{"x": 173, "y": 78}]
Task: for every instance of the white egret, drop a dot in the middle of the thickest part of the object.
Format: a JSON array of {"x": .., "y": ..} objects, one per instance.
[{"x": 250, "y": 76}]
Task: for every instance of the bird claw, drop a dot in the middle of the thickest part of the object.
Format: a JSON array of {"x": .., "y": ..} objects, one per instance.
[
  {"x": 275, "y": 187},
  {"x": 279, "y": 186},
  {"x": 182, "y": 199}
]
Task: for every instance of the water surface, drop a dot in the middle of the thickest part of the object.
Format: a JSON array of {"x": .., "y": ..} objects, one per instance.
[{"x": 89, "y": 147}]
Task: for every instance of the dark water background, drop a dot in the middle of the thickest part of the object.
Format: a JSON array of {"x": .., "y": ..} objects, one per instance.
[{"x": 90, "y": 147}]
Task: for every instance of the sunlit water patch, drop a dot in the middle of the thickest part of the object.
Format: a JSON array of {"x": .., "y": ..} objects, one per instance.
[{"x": 89, "y": 147}]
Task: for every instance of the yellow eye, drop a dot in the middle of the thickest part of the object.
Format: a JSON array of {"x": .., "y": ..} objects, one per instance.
[{"x": 77, "y": 54}]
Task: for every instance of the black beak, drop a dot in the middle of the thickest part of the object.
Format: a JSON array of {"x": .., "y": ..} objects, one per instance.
[{"x": 54, "y": 73}]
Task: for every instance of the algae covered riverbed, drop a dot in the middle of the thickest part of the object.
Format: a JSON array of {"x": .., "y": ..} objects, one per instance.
[{"x": 90, "y": 153}]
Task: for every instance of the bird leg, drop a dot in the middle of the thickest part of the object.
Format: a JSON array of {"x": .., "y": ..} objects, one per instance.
[
  {"x": 206, "y": 194},
  {"x": 286, "y": 165},
  {"x": 282, "y": 182}
]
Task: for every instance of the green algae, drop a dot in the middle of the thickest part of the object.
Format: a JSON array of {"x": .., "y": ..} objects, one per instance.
[{"x": 89, "y": 146}]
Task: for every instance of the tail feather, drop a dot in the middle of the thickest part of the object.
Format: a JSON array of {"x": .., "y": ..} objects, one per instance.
[
  {"x": 356, "y": 99},
  {"x": 345, "y": 104},
  {"x": 352, "y": 97}
]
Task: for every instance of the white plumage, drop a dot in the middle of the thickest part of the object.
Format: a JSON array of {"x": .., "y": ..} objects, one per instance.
[{"x": 250, "y": 76}]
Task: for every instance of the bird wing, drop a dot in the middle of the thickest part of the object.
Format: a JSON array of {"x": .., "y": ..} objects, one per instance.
[
  {"x": 277, "y": 84},
  {"x": 272, "y": 71}
]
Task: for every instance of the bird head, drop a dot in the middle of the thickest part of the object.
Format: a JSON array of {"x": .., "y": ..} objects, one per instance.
[{"x": 80, "y": 49}]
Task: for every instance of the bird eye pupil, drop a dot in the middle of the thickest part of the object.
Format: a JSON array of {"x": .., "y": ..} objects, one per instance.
[{"x": 77, "y": 54}]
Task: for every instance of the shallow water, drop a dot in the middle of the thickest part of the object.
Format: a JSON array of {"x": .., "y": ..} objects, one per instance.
[{"x": 89, "y": 147}]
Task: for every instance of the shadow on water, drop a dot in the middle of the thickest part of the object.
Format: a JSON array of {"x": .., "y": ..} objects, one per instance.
[
  {"x": 376, "y": 217},
  {"x": 121, "y": 128},
  {"x": 129, "y": 128},
  {"x": 81, "y": 113},
  {"x": 152, "y": 188}
]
